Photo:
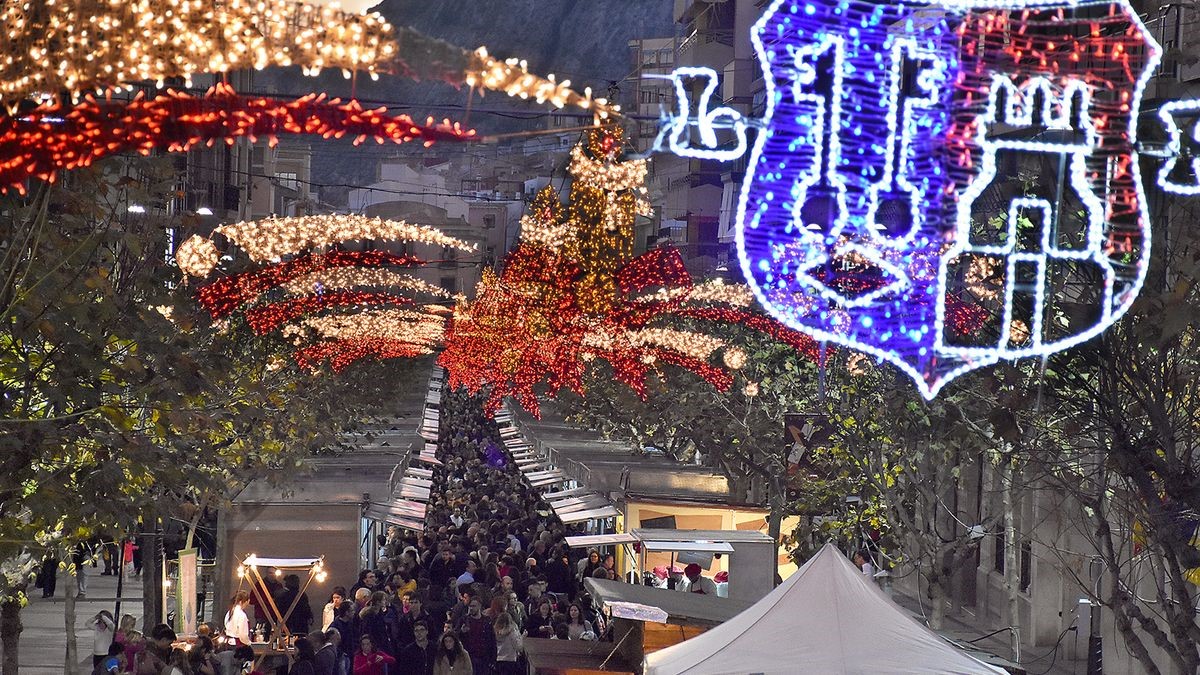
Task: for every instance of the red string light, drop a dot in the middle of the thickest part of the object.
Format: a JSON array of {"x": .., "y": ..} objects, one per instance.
[
  {"x": 266, "y": 319},
  {"x": 225, "y": 295},
  {"x": 56, "y": 137},
  {"x": 342, "y": 353}
]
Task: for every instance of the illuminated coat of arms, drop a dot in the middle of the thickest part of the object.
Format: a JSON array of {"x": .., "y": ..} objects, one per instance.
[{"x": 942, "y": 185}]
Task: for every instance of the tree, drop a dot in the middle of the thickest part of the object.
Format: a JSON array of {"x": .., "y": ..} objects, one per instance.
[{"x": 118, "y": 401}]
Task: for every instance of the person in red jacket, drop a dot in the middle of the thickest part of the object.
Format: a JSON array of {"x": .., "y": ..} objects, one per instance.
[{"x": 369, "y": 660}]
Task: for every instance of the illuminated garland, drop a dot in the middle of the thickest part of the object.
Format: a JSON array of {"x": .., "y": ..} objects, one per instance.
[
  {"x": 564, "y": 303},
  {"x": 354, "y": 277},
  {"x": 342, "y": 353},
  {"x": 393, "y": 324},
  {"x": 53, "y": 47},
  {"x": 273, "y": 238},
  {"x": 263, "y": 320},
  {"x": 77, "y": 45},
  {"x": 513, "y": 78},
  {"x": 55, "y": 137},
  {"x": 223, "y": 296}
]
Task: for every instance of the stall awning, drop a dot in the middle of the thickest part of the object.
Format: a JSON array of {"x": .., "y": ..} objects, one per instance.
[
  {"x": 579, "y": 517},
  {"x": 561, "y": 494},
  {"x": 280, "y": 563},
  {"x": 576, "y": 504},
  {"x": 586, "y": 541},
  {"x": 689, "y": 546}
]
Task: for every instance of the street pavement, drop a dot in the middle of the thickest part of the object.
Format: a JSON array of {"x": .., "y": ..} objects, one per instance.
[{"x": 43, "y": 642}]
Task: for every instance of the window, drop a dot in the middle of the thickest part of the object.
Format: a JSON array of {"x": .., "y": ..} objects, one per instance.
[
  {"x": 998, "y": 562},
  {"x": 649, "y": 96},
  {"x": 666, "y": 57},
  {"x": 648, "y": 57},
  {"x": 449, "y": 284},
  {"x": 489, "y": 222},
  {"x": 288, "y": 180},
  {"x": 1026, "y": 566}
]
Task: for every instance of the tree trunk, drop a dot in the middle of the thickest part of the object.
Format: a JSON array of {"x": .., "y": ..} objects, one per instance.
[
  {"x": 1012, "y": 570},
  {"x": 152, "y": 581},
  {"x": 777, "y": 503},
  {"x": 71, "y": 660},
  {"x": 937, "y": 601},
  {"x": 10, "y": 631}
]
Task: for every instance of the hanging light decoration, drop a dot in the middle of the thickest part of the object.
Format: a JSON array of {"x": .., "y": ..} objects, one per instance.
[
  {"x": 225, "y": 295},
  {"x": 55, "y": 137},
  {"x": 345, "y": 278}
]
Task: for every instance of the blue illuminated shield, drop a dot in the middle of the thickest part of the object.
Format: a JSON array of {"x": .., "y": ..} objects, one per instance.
[{"x": 945, "y": 186}]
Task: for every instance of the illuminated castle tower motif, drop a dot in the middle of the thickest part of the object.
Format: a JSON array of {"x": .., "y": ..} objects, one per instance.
[{"x": 1031, "y": 252}]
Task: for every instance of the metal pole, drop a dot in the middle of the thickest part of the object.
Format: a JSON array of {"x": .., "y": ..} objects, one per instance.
[{"x": 120, "y": 580}]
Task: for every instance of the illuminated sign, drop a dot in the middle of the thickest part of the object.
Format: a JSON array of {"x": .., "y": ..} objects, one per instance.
[{"x": 943, "y": 185}]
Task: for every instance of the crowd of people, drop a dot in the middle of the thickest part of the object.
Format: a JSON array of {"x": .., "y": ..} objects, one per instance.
[{"x": 490, "y": 571}]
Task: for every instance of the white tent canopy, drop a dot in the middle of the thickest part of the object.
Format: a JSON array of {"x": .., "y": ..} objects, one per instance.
[{"x": 826, "y": 618}]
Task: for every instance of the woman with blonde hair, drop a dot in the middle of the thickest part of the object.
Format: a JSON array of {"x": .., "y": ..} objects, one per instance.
[{"x": 508, "y": 645}]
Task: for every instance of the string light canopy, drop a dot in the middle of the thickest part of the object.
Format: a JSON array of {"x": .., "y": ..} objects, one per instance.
[
  {"x": 225, "y": 295},
  {"x": 346, "y": 278},
  {"x": 271, "y": 239},
  {"x": 270, "y": 317},
  {"x": 77, "y": 46},
  {"x": 399, "y": 325},
  {"x": 55, "y": 137},
  {"x": 343, "y": 353}
]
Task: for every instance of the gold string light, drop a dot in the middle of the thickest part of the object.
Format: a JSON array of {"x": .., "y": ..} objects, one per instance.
[
  {"x": 197, "y": 257},
  {"x": 342, "y": 278},
  {"x": 79, "y": 45},
  {"x": 512, "y": 77},
  {"x": 398, "y": 325},
  {"x": 271, "y": 239}
]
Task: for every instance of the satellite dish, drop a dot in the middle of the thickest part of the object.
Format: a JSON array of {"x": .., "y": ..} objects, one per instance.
[{"x": 351, "y": 6}]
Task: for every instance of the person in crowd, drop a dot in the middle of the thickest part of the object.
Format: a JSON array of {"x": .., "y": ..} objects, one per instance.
[
  {"x": 346, "y": 624},
  {"x": 468, "y": 576},
  {"x": 300, "y": 620},
  {"x": 154, "y": 658},
  {"x": 588, "y": 565},
  {"x": 443, "y": 569},
  {"x": 697, "y": 582},
  {"x": 103, "y": 635},
  {"x": 418, "y": 657},
  {"x": 367, "y": 580},
  {"x": 134, "y": 643},
  {"x": 541, "y": 623},
  {"x": 477, "y": 636},
  {"x": 113, "y": 662},
  {"x": 452, "y": 659},
  {"x": 508, "y": 645},
  {"x": 324, "y": 652},
  {"x": 305, "y": 662},
  {"x": 413, "y": 613},
  {"x": 372, "y": 622},
  {"x": 329, "y": 613},
  {"x": 862, "y": 560},
  {"x": 578, "y": 627},
  {"x": 178, "y": 663},
  {"x": 202, "y": 656},
  {"x": 47, "y": 578},
  {"x": 370, "y": 660},
  {"x": 237, "y": 624}
]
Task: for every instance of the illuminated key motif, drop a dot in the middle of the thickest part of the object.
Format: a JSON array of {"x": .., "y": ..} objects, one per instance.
[{"x": 944, "y": 185}]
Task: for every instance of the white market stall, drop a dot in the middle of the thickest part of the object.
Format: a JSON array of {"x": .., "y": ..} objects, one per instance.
[{"x": 827, "y": 618}]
